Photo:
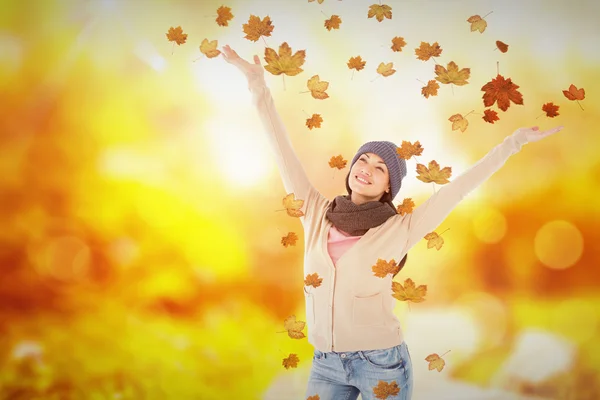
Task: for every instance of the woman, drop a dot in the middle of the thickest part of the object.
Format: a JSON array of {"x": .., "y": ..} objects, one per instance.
[{"x": 351, "y": 324}]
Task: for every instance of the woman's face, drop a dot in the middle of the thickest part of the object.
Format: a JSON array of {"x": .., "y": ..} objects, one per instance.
[{"x": 369, "y": 178}]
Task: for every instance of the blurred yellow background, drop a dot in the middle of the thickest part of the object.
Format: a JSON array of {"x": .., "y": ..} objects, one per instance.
[{"x": 140, "y": 250}]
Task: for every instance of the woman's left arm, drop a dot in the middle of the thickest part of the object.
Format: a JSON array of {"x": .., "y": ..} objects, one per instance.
[{"x": 429, "y": 215}]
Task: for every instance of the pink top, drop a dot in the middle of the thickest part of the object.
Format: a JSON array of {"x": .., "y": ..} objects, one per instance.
[{"x": 338, "y": 242}]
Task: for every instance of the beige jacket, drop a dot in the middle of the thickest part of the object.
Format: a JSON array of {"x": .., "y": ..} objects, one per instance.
[{"x": 352, "y": 309}]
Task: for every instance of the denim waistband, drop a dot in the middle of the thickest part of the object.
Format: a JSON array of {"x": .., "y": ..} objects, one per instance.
[{"x": 350, "y": 355}]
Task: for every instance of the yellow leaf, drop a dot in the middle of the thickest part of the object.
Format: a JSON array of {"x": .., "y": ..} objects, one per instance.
[
  {"x": 255, "y": 28},
  {"x": 477, "y": 23},
  {"x": 380, "y": 12},
  {"x": 386, "y": 69},
  {"x": 314, "y": 121},
  {"x": 356, "y": 62},
  {"x": 433, "y": 173},
  {"x": 384, "y": 389},
  {"x": 333, "y": 22},
  {"x": 435, "y": 362},
  {"x": 406, "y": 207},
  {"x": 425, "y": 51},
  {"x": 289, "y": 239},
  {"x": 382, "y": 268},
  {"x": 434, "y": 240},
  {"x": 317, "y": 87},
  {"x": 291, "y": 361},
  {"x": 398, "y": 43},
  {"x": 293, "y": 206},
  {"x": 407, "y": 149},
  {"x": 452, "y": 74},
  {"x": 209, "y": 49},
  {"x": 224, "y": 15},
  {"x": 458, "y": 122},
  {"x": 313, "y": 280},
  {"x": 337, "y": 162},
  {"x": 176, "y": 35},
  {"x": 293, "y": 327},
  {"x": 284, "y": 62},
  {"x": 431, "y": 89},
  {"x": 409, "y": 292}
]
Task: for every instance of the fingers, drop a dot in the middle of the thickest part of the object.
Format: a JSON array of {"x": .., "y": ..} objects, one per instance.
[{"x": 256, "y": 59}]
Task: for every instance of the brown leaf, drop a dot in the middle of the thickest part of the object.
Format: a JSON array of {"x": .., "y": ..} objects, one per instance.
[
  {"x": 409, "y": 292},
  {"x": 337, "y": 162},
  {"x": 425, "y": 51},
  {"x": 431, "y": 89},
  {"x": 291, "y": 361},
  {"x": 294, "y": 327},
  {"x": 314, "y": 121},
  {"x": 406, "y": 207},
  {"x": 176, "y": 35},
  {"x": 502, "y": 91},
  {"x": 382, "y": 268},
  {"x": 383, "y": 389},
  {"x": 398, "y": 43},
  {"x": 550, "y": 109},
  {"x": 434, "y": 240},
  {"x": 503, "y": 47},
  {"x": 433, "y": 173},
  {"x": 224, "y": 15},
  {"x": 490, "y": 115},
  {"x": 380, "y": 11},
  {"x": 316, "y": 396},
  {"x": 333, "y": 22},
  {"x": 313, "y": 280},
  {"x": 356, "y": 62},
  {"x": 407, "y": 150},
  {"x": 255, "y": 28},
  {"x": 435, "y": 362},
  {"x": 289, "y": 239},
  {"x": 477, "y": 23},
  {"x": 573, "y": 93}
]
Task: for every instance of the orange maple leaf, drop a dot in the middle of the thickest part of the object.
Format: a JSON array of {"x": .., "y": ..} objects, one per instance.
[
  {"x": 435, "y": 362},
  {"x": 434, "y": 240},
  {"x": 433, "y": 173},
  {"x": 490, "y": 115},
  {"x": 313, "y": 280},
  {"x": 224, "y": 15},
  {"x": 318, "y": 87},
  {"x": 407, "y": 150},
  {"x": 382, "y": 268},
  {"x": 316, "y": 396},
  {"x": 425, "y": 51},
  {"x": 503, "y": 91},
  {"x": 289, "y": 239},
  {"x": 383, "y": 389},
  {"x": 386, "y": 69},
  {"x": 333, "y": 22},
  {"x": 176, "y": 35},
  {"x": 550, "y": 109},
  {"x": 314, "y": 121},
  {"x": 477, "y": 23},
  {"x": 209, "y": 49},
  {"x": 338, "y": 162},
  {"x": 284, "y": 62},
  {"x": 356, "y": 62},
  {"x": 452, "y": 74},
  {"x": 575, "y": 94},
  {"x": 293, "y": 206},
  {"x": 503, "y": 47},
  {"x": 255, "y": 28},
  {"x": 380, "y": 11},
  {"x": 458, "y": 122},
  {"x": 398, "y": 43},
  {"x": 431, "y": 89},
  {"x": 291, "y": 361},
  {"x": 406, "y": 207},
  {"x": 293, "y": 327},
  {"x": 409, "y": 292}
]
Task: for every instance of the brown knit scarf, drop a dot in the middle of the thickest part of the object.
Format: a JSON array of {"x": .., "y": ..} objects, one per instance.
[{"x": 358, "y": 219}]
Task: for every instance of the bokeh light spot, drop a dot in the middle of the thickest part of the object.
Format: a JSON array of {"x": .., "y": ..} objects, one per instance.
[
  {"x": 489, "y": 225},
  {"x": 558, "y": 244}
]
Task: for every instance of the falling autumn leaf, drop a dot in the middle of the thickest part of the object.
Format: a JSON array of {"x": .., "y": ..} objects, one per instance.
[
  {"x": 383, "y": 389},
  {"x": 425, "y": 51},
  {"x": 314, "y": 121},
  {"x": 209, "y": 49},
  {"x": 477, "y": 23},
  {"x": 409, "y": 292},
  {"x": 284, "y": 62},
  {"x": 433, "y": 173},
  {"x": 452, "y": 74},
  {"x": 176, "y": 35},
  {"x": 458, "y": 122},
  {"x": 356, "y": 62},
  {"x": 398, "y": 43},
  {"x": 503, "y": 47},
  {"x": 255, "y": 28},
  {"x": 380, "y": 11},
  {"x": 386, "y": 69},
  {"x": 434, "y": 240},
  {"x": 313, "y": 280},
  {"x": 291, "y": 361},
  {"x": 406, "y": 207},
  {"x": 503, "y": 91},
  {"x": 316, "y": 396},
  {"x": 293, "y": 327},
  {"x": 293, "y": 206},
  {"x": 490, "y": 115},
  {"x": 382, "y": 268},
  {"x": 435, "y": 362},
  {"x": 224, "y": 15},
  {"x": 338, "y": 162},
  {"x": 431, "y": 89},
  {"x": 550, "y": 109},
  {"x": 575, "y": 94},
  {"x": 333, "y": 22},
  {"x": 407, "y": 150},
  {"x": 289, "y": 239},
  {"x": 317, "y": 87}
]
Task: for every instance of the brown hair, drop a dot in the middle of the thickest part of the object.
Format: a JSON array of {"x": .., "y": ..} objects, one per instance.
[{"x": 386, "y": 198}]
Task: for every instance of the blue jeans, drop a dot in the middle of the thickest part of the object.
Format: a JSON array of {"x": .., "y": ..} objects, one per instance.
[{"x": 342, "y": 376}]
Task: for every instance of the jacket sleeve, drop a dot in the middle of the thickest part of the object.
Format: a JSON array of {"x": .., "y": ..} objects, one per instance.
[
  {"x": 292, "y": 173},
  {"x": 429, "y": 215}
]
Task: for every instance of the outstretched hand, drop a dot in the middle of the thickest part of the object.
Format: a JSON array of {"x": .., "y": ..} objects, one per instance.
[
  {"x": 249, "y": 69},
  {"x": 534, "y": 134}
]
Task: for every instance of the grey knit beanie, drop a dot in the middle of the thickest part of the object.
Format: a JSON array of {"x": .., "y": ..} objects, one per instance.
[{"x": 395, "y": 164}]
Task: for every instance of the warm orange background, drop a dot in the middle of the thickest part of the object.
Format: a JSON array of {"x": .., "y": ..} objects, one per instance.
[{"x": 140, "y": 250}]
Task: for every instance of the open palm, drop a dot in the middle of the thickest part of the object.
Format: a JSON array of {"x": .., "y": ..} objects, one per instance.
[{"x": 250, "y": 70}]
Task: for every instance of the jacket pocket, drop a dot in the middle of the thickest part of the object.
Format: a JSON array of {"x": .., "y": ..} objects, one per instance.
[
  {"x": 387, "y": 359},
  {"x": 309, "y": 302},
  {"x": 368, "y": 310}
]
